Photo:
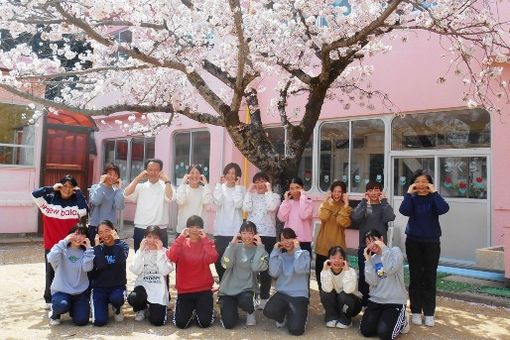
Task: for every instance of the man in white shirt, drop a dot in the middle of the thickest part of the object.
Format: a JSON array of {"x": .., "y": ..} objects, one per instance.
[{"x": 152, "y": 198}]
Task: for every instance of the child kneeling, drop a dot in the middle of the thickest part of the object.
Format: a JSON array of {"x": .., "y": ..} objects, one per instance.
[{"x": 150, "y": 295}]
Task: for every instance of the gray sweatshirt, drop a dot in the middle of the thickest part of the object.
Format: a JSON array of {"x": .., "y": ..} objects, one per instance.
[
  {"x": 242, "y": 265},
  {"x": 291, "y": 271},
  {"x": 105, "y": 202},
  {"x": 372, "y": 216},
  {"x": 71, "y": 267},
  {"x": 385, "y": 275}
]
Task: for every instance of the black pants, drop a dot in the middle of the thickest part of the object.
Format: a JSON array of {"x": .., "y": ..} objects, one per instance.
[
  {"x": 221, "y": 243},
  {"x": 229, "y": 305},
  {"x": 294, "y": 309},
  {"x": 423, "y": 259},
  {"x": 264, "y": 278},
  {"x": 363, "y": 286},
  {"x": 138, "y": 300},
  {"x": 306, "y": 246},
  {"x": 319, "y": 263},
  {"x": 199, "y": 305},
  {"x": 50, "y": 275},
  {"x": 383, "y": 320},
  {"x": 341, "y": 307}
]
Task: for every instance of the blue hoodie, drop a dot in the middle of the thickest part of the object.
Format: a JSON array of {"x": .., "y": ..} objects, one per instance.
[
  {"x": 291, "y": 271},
  {"x": 110, "y": 265}
]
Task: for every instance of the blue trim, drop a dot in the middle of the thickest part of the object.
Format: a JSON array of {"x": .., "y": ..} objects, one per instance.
[{"x": 477, "y": 274}]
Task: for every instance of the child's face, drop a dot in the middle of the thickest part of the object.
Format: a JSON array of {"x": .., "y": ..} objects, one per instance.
[
  {"x": 111, "y": 177},
  {"x": 194, "y": 177},
  {"x": 295, "y": 190},
  {"x": 421, "y": 184},
  {"x": 287, "y": 243},
  {"x": 78, "y": 239},
  {"x": 337, "y": 261},
  {"x": 231, "y": 176},
  {"x": 260, "y": 186},
  {"x": 247, "y": 237},
  {"x": 194, "y": 232},
  {"x": 67, "y": 190},
  {"x": 374, "y": 193},
  {"x": 336, "y": 194},
  {"x": 151, "y": 240},
  {"x": 372, "y": 246},
  {"x": 105, "y": 234}
]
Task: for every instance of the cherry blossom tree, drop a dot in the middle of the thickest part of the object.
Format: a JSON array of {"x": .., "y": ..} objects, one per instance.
[{"x": 205, "y": 59}]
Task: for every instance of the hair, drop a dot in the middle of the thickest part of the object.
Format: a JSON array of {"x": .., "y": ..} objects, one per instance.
[
  {"x": 335, "y": 250},
  {"x": 234, "y": 166},
  {"x": 421, "y": 172},
  {"x": 70, "y": 179},
  {"x": 373, "y": 185},
  {"x": 371, "y": 234},
  {"x": 195, "y": 166},
  {"x": 248, "y": 226},
  {"x": 338, "y": 184},
  {"x": 107, "y": 223},
  {"x": 111, "y": 166},
  {"x": 260, "y": 175},
  {"x": 195, "y": 221},
  {"x": 153, "y": 230},
  {"x": 288, "y": 233},
  {"x": 79, "y": 229},
  {"x": 154, "y": 160},
  {"x": 296, "y": 180}
]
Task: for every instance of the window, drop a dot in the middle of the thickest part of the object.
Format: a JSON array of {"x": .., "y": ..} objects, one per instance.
[
  {"x": 16, "y": 135},
  {"x": 463, "y": 177},
  {"x": 352, "y": 152},
  {"x": 123, "y": 37},
  {"x": 191, "y": 147},
  {"x": 439, "y": 130},
  {"x": 276, "y": 136},
  {"x": 129, "y": 155},
  {"x": 404, "y": 169}
]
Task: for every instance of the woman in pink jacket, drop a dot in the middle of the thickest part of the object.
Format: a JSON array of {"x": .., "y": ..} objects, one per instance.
[{"x": 296, "y": 212}]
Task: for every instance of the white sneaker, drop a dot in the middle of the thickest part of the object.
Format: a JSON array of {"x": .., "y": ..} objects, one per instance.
[
  {"x": 250, "y": 319},
  {"x": 429, "y": 320},
  {"x": 140, "y": 315},
  {"x": 281, "y": 324},
  {"x": 407, "y": 326},
  {"x": 262, "y": 304},
  {"x": 342, "y": 325},
  {"x": 416, "y": 319},
  {"x": 120, "y": 316},
  {"x": 331, "y": 323},
  {"x": 53, "y": 322}
]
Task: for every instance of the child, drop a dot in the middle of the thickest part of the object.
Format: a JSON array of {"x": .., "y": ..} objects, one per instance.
[
  {"x": 109, "y": 276},
  {"x": 339, "y": 293},
  {"x": 71, "y": 258},
  {"x": 192, "y": 253},
  {"x": 151, "y": 266},
  {"x": 385, "y": 315},
  {"x": 243, "y": 259},
  {"x": 290, "y": 265}
]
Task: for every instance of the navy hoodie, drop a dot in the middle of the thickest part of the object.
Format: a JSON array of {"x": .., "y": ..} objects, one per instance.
[{"x": 110, "y": 265}]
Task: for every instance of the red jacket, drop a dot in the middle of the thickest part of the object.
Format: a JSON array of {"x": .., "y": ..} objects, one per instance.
[{"x": 192, "y": 260}]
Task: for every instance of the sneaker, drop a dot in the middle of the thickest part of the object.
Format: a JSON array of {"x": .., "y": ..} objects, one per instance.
[
  {"x": 429, "y": 320},
  {"x": 53, "y": 322},
  {"x": 407, "y": 326},
  {"x": 119, "y": 316},
  {"x": 416, "y": 319},
  {"x": 262, "y": 304},
  {"x": 140, "y": 315},
  {"x": 343, "y": 325},
  {"x": 331, "y": 323},
  {"x": 250, "y": 319},
  {"x": 281, "y": 324}
]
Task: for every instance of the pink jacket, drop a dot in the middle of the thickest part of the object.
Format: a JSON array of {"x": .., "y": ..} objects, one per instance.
[{"x": 297, "y": 215}]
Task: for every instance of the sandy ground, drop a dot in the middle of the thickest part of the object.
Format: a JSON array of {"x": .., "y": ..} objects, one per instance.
[{"x": 22, "y": 315}]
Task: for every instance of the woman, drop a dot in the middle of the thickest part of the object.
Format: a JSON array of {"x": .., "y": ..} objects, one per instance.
[
  {"x": 71, "y": 259},
  {"x": 192, "y": 195},
  {"x": 109, "y": 276},
  {"x": 192, "y": 253},
  {"x": 385, "y": 315},
  {"x": 335, "y": 216},
  {"x": 243, "y": 259},
  {"x": 228, "y": 197},
  {"x": 296, "y": 212},
  {"x": 423, "y": 204},
  {"x": 151, "y": 289},
  {"x": 339, "y": 293},
  {"x": 290, "y": 266},
  {"x": 261, "y": 203}
]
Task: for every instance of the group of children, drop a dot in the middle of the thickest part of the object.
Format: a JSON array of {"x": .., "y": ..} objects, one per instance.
[{"x": 247, "y": 259}]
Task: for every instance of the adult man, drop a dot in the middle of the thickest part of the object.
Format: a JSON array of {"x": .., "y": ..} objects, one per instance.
[{"x": 152, "y": 199}]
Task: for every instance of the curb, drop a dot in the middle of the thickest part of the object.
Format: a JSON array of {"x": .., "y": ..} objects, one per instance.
[{"x": 477, "y": 298}]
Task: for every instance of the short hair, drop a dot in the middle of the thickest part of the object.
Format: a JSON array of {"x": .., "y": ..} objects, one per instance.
[
  {"x": 338, "y": 184},
  {"x": 70, "y": 179},
  {"x": 154, "y": 160},
  {"x": 195, "y": 221},
  {"x": 234, "y": 166},
  {"x": 107, "y": 223},
  {"x": 79, "y": 229},
  {"x": 248, "y": 226},
  {"x": 195, "y": 166},
  {"x": 335, "y": 250},
  {"x": 288, "y": 233},
  {"x": 373, "y": 185},
  {"x": 421, "y": 172},
  {"x": 260, "y": 175},
  {"x": 296, "y": 180},
  {"x": 153, "y": 230},
  {"x": 371, "y": 234},
  {"x": 111, "y": 166}
]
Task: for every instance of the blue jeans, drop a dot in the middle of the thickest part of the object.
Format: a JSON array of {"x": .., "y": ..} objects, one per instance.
[
  {"x": 101, "y": 297},
  {"x": 76, "y": 305}
]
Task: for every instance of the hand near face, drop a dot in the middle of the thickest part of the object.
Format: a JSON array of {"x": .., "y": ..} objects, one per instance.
[
  {"x": 185, "y": 232},
  {"x": 380, "y": 243},
  {"x": 115, "y": 236},
  {"x": 251, "y": 188},
  {"x": 86, "y": 243},
  {"x": 202, "y": 234},
  {"x": 287, "y": 196},
  {"x": 236, "y": 239},
  {"x": 367, "y": 196},
  {"x": 203, "y": 180},
  {"x": 366, "y": 253},
  {"x": 222, "y": 180},
  {"x": 57, "y": 186},
  {"x": 163, "y": 176},
  {"x": 345, "y": 199},
  {"x": 97, "y": 239},
  {"x": 143, "y": 244},
  {"x": 257, "y": 239},
  {"x": 431, "y": 188},
  {"x": 159, "y": 244},
  {"x": 411, "y": 189},
  {"x": 103, "y": 178},
  {"x": 69, "y": 238},
  {"x": 382, "y": 196},
  {"x": 185, "y": 179},
  {"x": 296, "y": 242},
  {"x": 346, "y": 264},
  {"x": 326, "y": 265},
  {"x": 268, "y": 187},
  {"x": 278, "y": 245},
  {"x": 142, "y": 175}
]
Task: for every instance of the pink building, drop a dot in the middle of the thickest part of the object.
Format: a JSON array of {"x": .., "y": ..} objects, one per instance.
[{"x": 466, "y": 150}]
